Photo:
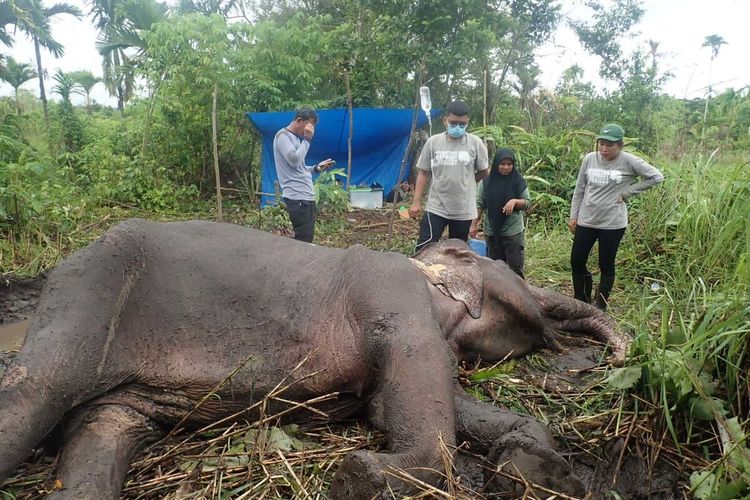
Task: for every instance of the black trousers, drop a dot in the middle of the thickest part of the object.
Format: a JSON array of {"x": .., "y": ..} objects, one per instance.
[
  {"x": 432, "y": 226},
  {"x": 509, "y": 249},
  {"x": 583, "y": 242},
  {"x": 302, "y": 215}
]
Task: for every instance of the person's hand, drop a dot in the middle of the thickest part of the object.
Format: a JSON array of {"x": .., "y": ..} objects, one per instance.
[
  {"x": 473, "y": 230},
  {"x": 325, "y": 164},
  {"x": 509, "y": 207},
  {"x": 572, "y": 223},
  {"x": 415, "y": 209},
  {"x": 309, "y": 131}
]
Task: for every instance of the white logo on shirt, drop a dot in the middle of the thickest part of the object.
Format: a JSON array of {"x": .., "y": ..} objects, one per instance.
[
  {"x": 601, "y": 176},
  {"x": 451, "y": 158},
  {"x": 446, "y": 158}
]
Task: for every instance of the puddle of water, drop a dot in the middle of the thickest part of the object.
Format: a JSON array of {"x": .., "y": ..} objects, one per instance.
[{"x": 12, "y": 335}]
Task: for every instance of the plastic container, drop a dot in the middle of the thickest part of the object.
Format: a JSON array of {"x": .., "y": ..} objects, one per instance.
[
  {"x": 478, "y": 246},
  {"x": 366, "y": 197}
]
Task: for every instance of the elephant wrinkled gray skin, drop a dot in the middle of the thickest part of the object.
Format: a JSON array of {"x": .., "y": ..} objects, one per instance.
[{"x": 132, "y": 331}]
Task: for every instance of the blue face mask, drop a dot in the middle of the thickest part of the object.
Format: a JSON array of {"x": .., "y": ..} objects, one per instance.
[{"x": 456, "y": 131}]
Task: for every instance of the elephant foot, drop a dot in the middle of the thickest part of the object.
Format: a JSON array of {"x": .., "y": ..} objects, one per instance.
[
  {"x": 533, "y": 465},
  {"x": 368, "y": 475},
  {"x": 360, "y": 475}
]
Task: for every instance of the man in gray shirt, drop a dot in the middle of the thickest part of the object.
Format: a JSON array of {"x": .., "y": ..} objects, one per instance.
[
  {"x": 290, "y": 146},
  {"x": 607, "y": 178},
  {"x": 455, "y": 160}
]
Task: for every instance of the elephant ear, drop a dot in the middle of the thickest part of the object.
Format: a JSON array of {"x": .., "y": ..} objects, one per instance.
[{"x": 453, "y": 268}]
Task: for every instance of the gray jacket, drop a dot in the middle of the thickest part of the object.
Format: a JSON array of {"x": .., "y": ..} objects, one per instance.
[
  {"x": 603, "y": 186},
  {"x": 295, "y": 178}
]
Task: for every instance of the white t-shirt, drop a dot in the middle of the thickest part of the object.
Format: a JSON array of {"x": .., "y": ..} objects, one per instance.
[{"x": 453, "y": 163}]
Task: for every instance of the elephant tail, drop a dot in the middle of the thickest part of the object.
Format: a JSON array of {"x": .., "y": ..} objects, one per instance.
[{"x": 574, "y": 316}]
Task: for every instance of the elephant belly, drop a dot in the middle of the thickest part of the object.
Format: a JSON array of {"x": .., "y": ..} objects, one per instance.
[{"x": 176, "y": 372}]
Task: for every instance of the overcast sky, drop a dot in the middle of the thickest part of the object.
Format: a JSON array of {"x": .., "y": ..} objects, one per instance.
[{"x": 680, "y": 27}]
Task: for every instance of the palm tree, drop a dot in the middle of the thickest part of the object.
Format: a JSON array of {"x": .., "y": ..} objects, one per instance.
[
  {"x": 715, "y": 42},
  {"x": 65, "y": 86},
  {"x": 121, "y": 25},
  {"x": 8, "y": 17},
  {"x": 70, "y": 132},
  {"x": 35, "y": 22},
  {"x": 86, "y": 80},
  {"x": 16, "y": 74}
]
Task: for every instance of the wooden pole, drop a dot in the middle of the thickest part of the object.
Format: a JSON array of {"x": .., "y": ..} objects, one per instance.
[
  {"x": 351, "y": 129},
  {"x": 215, "y": 140},
  {"x": 403, "y": 159},
  {"x": 484, "y": 113}
]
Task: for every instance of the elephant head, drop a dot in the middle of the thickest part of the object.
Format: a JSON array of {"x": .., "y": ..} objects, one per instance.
[{"x": 487, "y": 311}]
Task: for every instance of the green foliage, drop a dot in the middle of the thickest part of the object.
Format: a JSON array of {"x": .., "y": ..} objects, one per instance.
[
  {"x": 33, "y": 190},
  {"x": 68, "y": 128},
  {"x": 550, "y": 164},
  {"x": 118, "y": 179},
  {"x": 16, "y": 74},
  {"x": 329, "y": 194}
]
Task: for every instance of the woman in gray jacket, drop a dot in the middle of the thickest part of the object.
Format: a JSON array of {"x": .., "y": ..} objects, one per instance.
[{"x": 606, "y": 180}]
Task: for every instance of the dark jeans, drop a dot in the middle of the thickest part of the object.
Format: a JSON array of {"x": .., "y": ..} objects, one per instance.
[
  {"x": 432, "y": 226},
  {"x": 583, "y": 242},
  {"x": 302, "y": 214},
  {"x": 509, "y": 249}
]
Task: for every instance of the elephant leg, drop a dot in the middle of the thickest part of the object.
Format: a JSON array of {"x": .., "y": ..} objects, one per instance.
[
  {"x": 519, "y": 445},
  {"x": 414, "y": 406},
  {"x": 96, "y": 456}
]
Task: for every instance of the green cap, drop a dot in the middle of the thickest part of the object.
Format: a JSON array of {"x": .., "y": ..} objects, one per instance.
[{"x": 611, "y": 132}]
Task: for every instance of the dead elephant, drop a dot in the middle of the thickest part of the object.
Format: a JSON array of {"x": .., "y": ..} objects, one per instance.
[{"x": 132, "y": 331}]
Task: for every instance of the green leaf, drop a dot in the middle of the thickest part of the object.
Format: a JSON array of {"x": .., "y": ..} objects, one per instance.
[
  {"x": 706, "y": 409},
  {"x": 703, "y": 484},
  {"x": 485, "y": 375},
  {"x": 624, "y": 378}
]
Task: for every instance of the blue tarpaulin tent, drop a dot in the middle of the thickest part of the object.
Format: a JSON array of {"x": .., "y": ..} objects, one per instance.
[{"x": 379, "y": 140}]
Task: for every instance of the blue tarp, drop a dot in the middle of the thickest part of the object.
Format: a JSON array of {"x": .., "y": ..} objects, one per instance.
[{"x": 379, "y": 140}]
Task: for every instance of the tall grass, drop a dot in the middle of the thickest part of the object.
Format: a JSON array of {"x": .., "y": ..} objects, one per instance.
[
  {"x": 687, "y": 254},
  {"x": 683, "y": 293}
]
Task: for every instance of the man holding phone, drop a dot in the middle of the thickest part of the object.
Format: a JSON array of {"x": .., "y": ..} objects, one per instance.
[{"x": 290, "y": 146}]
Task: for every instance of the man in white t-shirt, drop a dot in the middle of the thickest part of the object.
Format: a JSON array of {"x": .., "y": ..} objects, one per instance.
[{"x": 456, "y": 161}]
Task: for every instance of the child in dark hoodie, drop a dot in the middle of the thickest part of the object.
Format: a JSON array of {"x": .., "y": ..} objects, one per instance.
[{"x": 501, "y": 199}]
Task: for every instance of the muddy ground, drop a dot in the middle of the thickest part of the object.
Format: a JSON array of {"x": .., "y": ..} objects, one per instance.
[{"x": 18, "y": 299}]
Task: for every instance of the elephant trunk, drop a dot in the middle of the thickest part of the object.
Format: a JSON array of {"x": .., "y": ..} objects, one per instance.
[{"x": 570, "y": 315}]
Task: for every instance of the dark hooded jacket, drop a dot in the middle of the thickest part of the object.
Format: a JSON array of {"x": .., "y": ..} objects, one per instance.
[{"x": 498, "y": 189}]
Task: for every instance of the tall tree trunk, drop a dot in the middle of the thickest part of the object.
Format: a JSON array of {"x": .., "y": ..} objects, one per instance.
[
  {"x": 118, "y": 88},
  {"x": 351, "y": 128},
  {"x": 42, "y": 95},
  {"x": 18, "y": 103},
  {"x": 215, "y": 140},
  {"x": 120, "y": 99},
  {"x": 149, "y": 115},
  {"x": 708, "y": 97}
]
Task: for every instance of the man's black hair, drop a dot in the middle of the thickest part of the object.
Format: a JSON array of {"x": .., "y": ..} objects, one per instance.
[
  {"x": 307, "y": 113},
  {"x": 457, "y": 108}
]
